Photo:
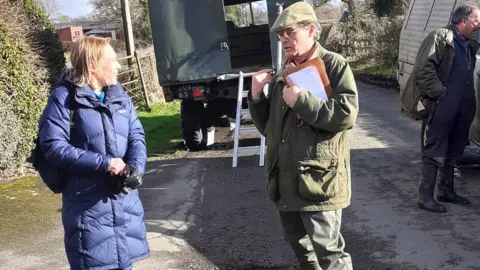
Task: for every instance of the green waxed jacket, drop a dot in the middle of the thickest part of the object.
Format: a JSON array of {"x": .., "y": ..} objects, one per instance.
[{"x": 308, "y": 166}]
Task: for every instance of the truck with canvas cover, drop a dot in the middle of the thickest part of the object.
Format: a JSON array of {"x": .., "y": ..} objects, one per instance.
[
  {"x": 198, "y": 43},
  {"x": 422, "y": 17}
]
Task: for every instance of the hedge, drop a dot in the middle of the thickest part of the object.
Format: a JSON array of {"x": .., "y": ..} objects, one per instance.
[{"x": 31, "y": 59}]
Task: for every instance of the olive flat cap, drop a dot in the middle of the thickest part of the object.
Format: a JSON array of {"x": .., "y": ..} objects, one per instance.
[{"x": 293, "y": 14}]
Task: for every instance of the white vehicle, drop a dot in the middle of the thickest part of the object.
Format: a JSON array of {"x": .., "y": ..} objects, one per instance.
[{"x": 422, "y": 17}]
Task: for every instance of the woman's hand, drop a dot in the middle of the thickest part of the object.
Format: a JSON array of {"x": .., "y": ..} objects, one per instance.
[{"x": 117, "y": 166}]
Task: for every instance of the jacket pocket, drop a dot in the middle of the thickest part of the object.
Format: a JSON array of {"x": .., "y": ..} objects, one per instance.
[{"x": 318, "y": 179}]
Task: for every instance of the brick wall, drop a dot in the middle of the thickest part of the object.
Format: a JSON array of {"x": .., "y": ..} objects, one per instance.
[{"x": 70, "y": 34}]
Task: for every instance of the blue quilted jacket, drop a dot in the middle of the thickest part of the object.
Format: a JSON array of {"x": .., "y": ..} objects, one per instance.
[{"x": 101, "y": 231}]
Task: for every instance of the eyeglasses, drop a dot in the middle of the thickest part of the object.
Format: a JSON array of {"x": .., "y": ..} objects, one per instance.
[{"x": 287, "y": 32}]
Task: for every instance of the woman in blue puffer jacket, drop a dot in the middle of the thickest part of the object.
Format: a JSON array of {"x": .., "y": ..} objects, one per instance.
[{"x": 103, "y": 150}]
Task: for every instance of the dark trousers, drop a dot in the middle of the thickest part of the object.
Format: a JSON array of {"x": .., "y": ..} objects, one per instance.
[
  {"x": 446, "y": 135},
  {"x": 316, "y": 239},
  {"x": 447, "y": 128}
]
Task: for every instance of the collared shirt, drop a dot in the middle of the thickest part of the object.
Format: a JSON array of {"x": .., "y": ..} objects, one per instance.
[{"x": 100, "y": 96}]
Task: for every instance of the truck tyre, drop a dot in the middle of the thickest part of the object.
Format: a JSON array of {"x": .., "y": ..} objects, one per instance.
[{"x": 191, "y": 119}]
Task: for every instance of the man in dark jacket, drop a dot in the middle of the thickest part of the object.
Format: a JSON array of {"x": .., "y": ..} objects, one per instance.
[
  {"x": 308, "y": 151},
  {"x": 444, "y": 76}
]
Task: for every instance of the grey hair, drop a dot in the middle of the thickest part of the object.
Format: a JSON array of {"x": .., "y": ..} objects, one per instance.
[
  {"x": 318, "y": 27},
  {"x": 461, "y": 12}
]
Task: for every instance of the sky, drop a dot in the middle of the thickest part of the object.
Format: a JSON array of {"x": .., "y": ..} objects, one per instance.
[
  {"x": 78, "y": 8},
  {"x": 74, "y": 8},
  {"x": 335, "y": 3}
]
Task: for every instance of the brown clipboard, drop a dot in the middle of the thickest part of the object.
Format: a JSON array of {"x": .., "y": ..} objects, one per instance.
[{"x": 320, "y": 67}]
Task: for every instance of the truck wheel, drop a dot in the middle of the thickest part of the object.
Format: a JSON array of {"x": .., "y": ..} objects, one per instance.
[{"x": 192, "y": 115}]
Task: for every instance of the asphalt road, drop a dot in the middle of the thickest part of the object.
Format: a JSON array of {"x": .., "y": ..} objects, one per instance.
[{"x": 203, "y": 214}]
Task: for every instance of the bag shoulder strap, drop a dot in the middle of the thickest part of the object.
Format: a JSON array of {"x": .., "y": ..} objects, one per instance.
[{"x": 72, "y": 105}]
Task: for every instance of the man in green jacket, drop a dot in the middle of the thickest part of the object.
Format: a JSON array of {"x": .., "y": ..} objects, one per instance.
[
  {"x": 441, "y": 88},
  {"x": 308, "y": 152}
]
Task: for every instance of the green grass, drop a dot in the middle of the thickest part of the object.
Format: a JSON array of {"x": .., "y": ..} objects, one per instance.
[
  {"x": 162, "y": 128},
  {"x": 370, "y": 67},
  {"x": 378, "y": 70}
]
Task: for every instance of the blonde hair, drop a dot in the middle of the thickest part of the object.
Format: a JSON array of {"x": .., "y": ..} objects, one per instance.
[{"x": 84, "y": 52}]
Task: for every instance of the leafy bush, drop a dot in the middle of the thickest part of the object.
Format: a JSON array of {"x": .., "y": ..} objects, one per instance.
[
  {"x": 31, "y": 59},
  {"x": 390, "y": 8},
  {"x": 369, "y": 39},
  {"x": 388, "y": 37}
]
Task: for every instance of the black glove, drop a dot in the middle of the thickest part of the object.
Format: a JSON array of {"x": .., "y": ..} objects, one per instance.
[
  {"x": 133, "y": 178},
  {"x": 116, "y": 185}
]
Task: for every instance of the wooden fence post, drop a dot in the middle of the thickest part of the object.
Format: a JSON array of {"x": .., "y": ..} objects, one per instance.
[{"x": 142, "y": 80}]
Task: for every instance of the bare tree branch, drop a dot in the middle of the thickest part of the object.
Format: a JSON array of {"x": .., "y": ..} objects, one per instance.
[
  {"x": 50, "y": 7},
  {"x": 110, "y": 10}
]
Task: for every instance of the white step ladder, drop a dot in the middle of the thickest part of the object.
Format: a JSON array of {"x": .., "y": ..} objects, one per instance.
[
  {"x": 248, "y": 150},
  {"x": 245, "y": 112}
]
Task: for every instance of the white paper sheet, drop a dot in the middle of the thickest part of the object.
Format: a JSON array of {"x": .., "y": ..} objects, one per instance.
[{"x": 308, "y": 79}]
